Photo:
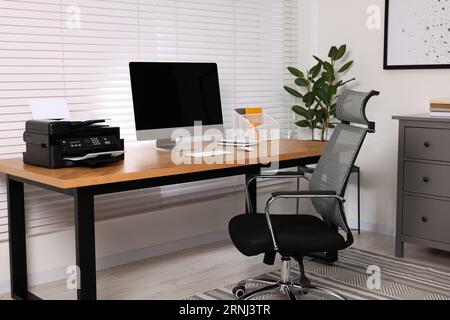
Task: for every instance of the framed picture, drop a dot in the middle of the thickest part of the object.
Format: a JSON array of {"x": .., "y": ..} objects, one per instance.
[{"x": 417, "y": 34}]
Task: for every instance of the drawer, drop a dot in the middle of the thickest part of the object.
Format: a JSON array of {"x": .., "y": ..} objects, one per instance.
[
  {"x": 426, "y": 218},
  {"x": 427, "y": 144},
  {"x": 431, "y": 179}
]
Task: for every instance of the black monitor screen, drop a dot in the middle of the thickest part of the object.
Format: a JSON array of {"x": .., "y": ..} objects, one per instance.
[{"x": 171, "y": 94}]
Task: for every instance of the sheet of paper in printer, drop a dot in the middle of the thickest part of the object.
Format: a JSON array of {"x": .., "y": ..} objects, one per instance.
[
  {"x": 49, "y": 108},
  {"x": 53, "y": 108}
]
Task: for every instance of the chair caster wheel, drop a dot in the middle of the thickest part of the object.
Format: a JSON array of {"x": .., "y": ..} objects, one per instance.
[{"x": 239, "y": 291}]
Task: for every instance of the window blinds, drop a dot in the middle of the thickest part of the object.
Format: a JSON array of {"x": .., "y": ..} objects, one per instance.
[{"x": 80, "y": 49}]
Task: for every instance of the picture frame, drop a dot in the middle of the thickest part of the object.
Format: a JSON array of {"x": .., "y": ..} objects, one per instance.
[{"x": 415, "y": 35}]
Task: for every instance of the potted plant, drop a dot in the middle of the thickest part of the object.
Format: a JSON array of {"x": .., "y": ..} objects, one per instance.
[{"x": 318, "y": 91}]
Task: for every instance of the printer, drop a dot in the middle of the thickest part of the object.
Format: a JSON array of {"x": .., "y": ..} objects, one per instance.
[{"x": 60, "y": 143}]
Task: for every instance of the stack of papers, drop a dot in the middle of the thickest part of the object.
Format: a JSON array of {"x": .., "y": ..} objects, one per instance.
[
  {"x": 237, "y": 142},
  {"x": 440, "y": 107},
  {"x": 205, "y": 154}
]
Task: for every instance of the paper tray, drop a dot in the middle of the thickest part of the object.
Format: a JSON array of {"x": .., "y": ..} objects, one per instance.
[{"x": 95, "y": 155}]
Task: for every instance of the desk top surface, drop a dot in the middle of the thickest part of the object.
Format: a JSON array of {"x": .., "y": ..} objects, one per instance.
[{"x": 143, "y": 161}]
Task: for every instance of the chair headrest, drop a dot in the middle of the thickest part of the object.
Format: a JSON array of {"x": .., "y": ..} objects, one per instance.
[{"x": 351, "y": 107}]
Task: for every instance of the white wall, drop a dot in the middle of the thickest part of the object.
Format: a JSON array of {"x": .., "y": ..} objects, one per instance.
[{"x": 402, "y": 92}]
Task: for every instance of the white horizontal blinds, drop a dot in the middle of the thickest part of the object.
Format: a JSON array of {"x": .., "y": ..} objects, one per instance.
[
  {"x": 291, "y": 57},
  {"x": 99, "y": 39},
  {"x": 259, "y": 56},
  {"x": 80, "y": 49},
  {"x": 251, "y": 41},
  {"x": 31, "y": 66},
  {"x": 74, "y": 49}
]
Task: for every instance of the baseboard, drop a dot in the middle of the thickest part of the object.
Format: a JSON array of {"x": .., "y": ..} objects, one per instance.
[
  {"x": 372, "y": 227},
  {"x": 369, "y": 226},
  {"x": 160, "y": 249},
  {"x": 126, "y": 257}
]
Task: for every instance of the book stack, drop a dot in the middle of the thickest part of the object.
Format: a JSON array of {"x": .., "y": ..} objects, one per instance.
[{"x": 440, "y": 107}]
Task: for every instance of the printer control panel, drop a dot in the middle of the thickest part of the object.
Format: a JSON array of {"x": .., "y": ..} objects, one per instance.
[{"x": 86, "y": 144}]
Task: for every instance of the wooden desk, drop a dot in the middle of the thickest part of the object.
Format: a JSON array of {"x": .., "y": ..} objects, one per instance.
[{"x": 144, "y": 167}]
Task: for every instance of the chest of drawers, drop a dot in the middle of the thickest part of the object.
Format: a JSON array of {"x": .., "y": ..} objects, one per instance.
[{"x": 423, "y": 185}]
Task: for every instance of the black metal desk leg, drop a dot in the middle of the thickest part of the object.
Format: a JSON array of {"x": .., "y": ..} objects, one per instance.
[
  {"x": 17, "y": 239},
  {"x": 251, "y": 192},
  {"x": 85, "y": 244}
]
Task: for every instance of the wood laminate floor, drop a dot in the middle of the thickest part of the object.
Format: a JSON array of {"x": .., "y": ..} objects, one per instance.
[{"x": 181, "y": 274}]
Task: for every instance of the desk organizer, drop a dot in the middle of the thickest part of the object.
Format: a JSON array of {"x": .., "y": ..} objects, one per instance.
[{"x": 254, "y": 125}]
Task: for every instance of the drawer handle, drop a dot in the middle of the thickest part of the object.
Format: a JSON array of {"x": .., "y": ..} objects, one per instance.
[
  {"x": 424, "y": 219},
  {"x": 426, "y": 179},
  {"x": 427, "y": 144}
]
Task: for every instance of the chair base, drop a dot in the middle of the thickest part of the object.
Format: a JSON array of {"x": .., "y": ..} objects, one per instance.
[{"x": 289, "y": 287}]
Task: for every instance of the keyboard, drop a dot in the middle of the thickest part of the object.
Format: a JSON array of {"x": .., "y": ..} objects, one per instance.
[{"x": 205, "y": 154}]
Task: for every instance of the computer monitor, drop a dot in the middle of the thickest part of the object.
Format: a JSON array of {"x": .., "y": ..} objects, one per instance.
[{"x": 171, "y": 95}]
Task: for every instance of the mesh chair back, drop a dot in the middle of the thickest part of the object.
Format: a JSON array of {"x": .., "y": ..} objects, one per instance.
[
  {"x": 351, "y": 106},
  {"x": 335, "y": 164}
]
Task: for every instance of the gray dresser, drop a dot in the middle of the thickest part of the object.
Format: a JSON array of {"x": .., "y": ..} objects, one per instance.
[{"x": 423, "y": 196}]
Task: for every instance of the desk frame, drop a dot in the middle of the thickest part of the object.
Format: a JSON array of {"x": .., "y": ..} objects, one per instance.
[{"x": 85, "y": 222}]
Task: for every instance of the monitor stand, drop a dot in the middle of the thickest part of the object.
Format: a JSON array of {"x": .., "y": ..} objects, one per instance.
[
  {"x": 166, "y": 144},
  {"x": 169, "y": 144}
]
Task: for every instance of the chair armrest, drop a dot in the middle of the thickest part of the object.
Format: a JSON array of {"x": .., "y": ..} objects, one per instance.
[
  {"x": 295, "y": 195},
  {"x": 278, "y": 175},
  {"x": 305, "y": 194},
  {"x": 287, "y": 174},
  {"x": 282, "y": 174},
  {"x": 305, "y": 169}
]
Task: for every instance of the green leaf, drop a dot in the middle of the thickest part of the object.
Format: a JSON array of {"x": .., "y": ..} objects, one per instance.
[
  {"x": 332, "y": 52},
  {"x": 301, "y": 82},
  {"x": 319, "y": 83},
  {"x": 294, "y": 92},
  {"x": 314, "y": 72},
  {"x": 329, "y": 69},
  {"x": 296, "y": 72},
  {"x": 323, "y": 95},
  {"x": 332, "y": 90},
  {"x": 303, "y": 124},
  {"x": 318, "y": 59},
  {"x": 309, "y": 99},
  {"x": 345, "y": 67},
  {"x": 341, "y": 51},
  {"x": 300, "y": 111},
  {"x": 331, "y": 126}
]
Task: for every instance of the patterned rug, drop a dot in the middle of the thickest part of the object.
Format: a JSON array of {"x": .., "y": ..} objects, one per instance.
[{"x": 400, "y": 279}]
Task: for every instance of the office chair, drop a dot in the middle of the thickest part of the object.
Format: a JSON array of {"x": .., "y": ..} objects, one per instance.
[{"x": 294, "y": 236}]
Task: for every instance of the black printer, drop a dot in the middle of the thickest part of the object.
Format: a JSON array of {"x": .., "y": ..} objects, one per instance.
[{"x": 61, "y": 143}]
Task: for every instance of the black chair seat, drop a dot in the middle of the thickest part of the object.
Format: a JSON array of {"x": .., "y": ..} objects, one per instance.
[{"x": 296, "y": 235}]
